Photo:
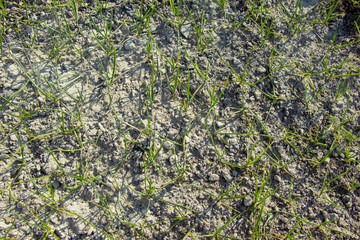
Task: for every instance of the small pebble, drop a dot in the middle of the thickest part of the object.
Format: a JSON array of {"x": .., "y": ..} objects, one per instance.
[
  {"x": 346, "y": 198},
  {"x": 277, "y": 178},
  {"x": 139, "y": 178},
  {"x": 227, "y": 176},
  {"x": 168, "y": 145},
  {"x": 18, "y": 83},
  {"x": 13, "y": 138},
  {"x": 129, "y": 45},
  {"x": 261, "y": 69},
  {"x": 333, "y": 216},
  {"x": 13, "y": 70},
  {"x": 237, "y": 61},
  {"x": 213, "y": 178},
  {"x": 327, "y": 160},
  {"x": 185, "y": 30},
  {"x": 173, "y": 132},
  {"x": 55, "y": 184},
  {"x": 248, "y": 201},
  {"x": 208, "y": 122},
  {"x": 6, "y": 176},
  {"x": 101, "y": 127},
  {"x": 220, "y": 124},
  {"x": 233, "y": 142},
  {"x": 348, "y": 204}
]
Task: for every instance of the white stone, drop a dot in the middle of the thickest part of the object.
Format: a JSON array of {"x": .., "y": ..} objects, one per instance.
[
  {"x": 214, "y": 177},
  {"x": 168, "y": 145},
  {"x": 13, "y": 70},
  {"x": 237, "y": 61},
  {"x": 185, "y": 30},
  {"x": 139, "y": 178},
  {"x": 261, "y": 69},
  {"x": 277, "y": 178},
  {"x": 129, "y": 45},
  {"x": 333, "y": 216},
  {"x": 220, "y": 124},
  {"x": 173, "y": 132},
  {"x": 248, "y": 201},
  {"x": 227, "y": 176}
]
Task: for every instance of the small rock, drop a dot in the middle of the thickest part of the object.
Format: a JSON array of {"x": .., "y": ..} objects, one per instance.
[
  {"x": 208, "y": 122},
  {"x": 13, "y": 70},
  {"x": 129, "y": 45},
  {"x": 152, "y": 27},
  {"x": 103, "y": 220},
  {"x": 19, "y": 206},
  {"x": 357, "y": 208},
  {"x": 170, "y": 36},
  {"x": 214, "y": 177},
  {"x": 92, "y": 132},
  {"x": 172, "y": 159},
  {"x": 6, "y": 176},
  {"x": 333, "y": 216},
  {"x": 88, "y": 195},
  {"x": 277, "y": 178},
  {"x": 220, "y": 124},
  {"x": 227, "y": 176},
  {"x": 6, "y": 84},
  {"x": 173, "y": 133},
  {"x": 261, "y": 69},
  {"x": 133, "y": 194},
  {"x": 237, "y": 61},
  {"x": 325, "y": 215},
  {"x": 248, "y": 201},
  {"x": 239, "y": 162},
  {"x": 168, "y": 145},
  {"x": 96, "y": 108},
  {"x": 346, "y": 198},
  {"x": 55, "y": 184},
  {"x": 163, "y": 71},
  {"x": 185, "y": 30},
  {"x": 139, "y": 178},
  {"x": 13, "y": 138},
  {"x": 65, "y": 67},
  {"x": 16, "y": 49},
  {"x": 212, "y": 150},
  {"x": 17, "y": 84},
  {"x": 233, "y": 142},
  {"x": 101, "y": 127},
  {"x": 335, "y": 110}
]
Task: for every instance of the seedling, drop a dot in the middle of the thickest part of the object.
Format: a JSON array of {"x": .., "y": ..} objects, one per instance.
[
  {"x": 201, "y": 41},
  {"x": 143, "y": 17}
]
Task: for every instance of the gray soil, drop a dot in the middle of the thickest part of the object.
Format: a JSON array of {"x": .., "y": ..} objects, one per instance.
[{"x": 86, "y": 155}]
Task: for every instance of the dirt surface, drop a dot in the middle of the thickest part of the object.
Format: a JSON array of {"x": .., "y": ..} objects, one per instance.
[{"x": 115, "y": 126}]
